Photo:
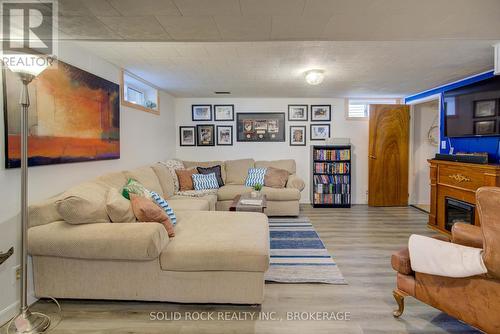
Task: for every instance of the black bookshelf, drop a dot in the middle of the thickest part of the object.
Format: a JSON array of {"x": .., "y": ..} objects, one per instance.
[{"x": 331, "y": 176}]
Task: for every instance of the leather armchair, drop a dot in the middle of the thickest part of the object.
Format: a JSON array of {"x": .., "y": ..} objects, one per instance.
[{"x": 473, "y": 300}]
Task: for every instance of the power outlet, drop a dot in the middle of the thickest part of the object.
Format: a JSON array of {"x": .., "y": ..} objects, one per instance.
[{"x": 16, "y": 274}]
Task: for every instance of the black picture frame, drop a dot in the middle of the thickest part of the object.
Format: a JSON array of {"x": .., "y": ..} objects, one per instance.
[
  {"x": 250, "y": 127},
  {"x": 327, "y": 106},
  {"x": 202, "y": 142},
  {"x": 224, "y": 119},
  {"x": 304, "y": 135},
  {"x": 492, "y": 123},
  {"x": 195, "y": 135},
  {"x": 493, "y": 111},
  {"x": 311, "y": 132},
  {"x": 196, "y": 119},
  {"x": 306, "y": 113},
  {"x": 217, "y": 134}
]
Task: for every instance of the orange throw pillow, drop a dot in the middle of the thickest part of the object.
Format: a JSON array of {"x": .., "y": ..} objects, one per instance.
[
  {"x": 276, "y": 178},
  {"x": 146, "y": 212},
  {"x": 185, "y": 177}
]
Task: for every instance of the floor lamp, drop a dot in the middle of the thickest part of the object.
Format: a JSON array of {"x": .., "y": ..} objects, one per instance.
[{"x": 26, "y": 321}]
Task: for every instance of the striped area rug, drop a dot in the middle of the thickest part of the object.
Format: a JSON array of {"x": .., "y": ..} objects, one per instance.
[{"x": 298, "y": 255}]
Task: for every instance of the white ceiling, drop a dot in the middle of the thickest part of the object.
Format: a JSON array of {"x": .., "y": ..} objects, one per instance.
[
  {"x": 255, "y": 20},
  {"x": 276, "y": 69}
]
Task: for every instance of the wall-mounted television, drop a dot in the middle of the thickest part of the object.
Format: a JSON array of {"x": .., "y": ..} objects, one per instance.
[{"x": 473, "y": 110}]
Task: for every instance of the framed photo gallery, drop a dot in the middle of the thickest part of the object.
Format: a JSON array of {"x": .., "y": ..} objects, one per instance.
[{"x": 255, "y": 126}]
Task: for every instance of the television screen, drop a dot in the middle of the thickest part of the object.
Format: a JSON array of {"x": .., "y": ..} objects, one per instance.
[{"x": 473, "y": 110}]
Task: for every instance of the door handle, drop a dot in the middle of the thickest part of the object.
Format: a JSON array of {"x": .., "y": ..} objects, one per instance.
[
  {"x": 372, "y": 157},
  {"x": 5, "y": 256}
]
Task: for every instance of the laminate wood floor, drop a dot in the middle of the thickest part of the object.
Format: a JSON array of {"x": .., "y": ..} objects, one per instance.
[{"x": 361, "y": 241}]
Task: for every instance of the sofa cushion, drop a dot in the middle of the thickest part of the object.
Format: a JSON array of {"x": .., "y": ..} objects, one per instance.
[
  {"x": 115, "y": 180},
  {"x": 147, "y": 177},
  {"x": 287, "y": 164},
  {"x": 276, "y": 178},
  {"x": 166, "y": 179},
  {"x": 207, "y": 164},
  {"x": 207, "y": 241},
  {"x": 118, "y": 207},
  {"x": 284, "y": 194},
  {"x": 139, "y": 242},
  {"x": 146, "y": 211},
  {"x": 84, "y": 203},
  {"x": 171, "y": 166},
  {"x": 44, "y": 212},
  {"x": 237, "y": 170},
  {"x": 229, "y": 191},
  {"x": 184, "y": 203}
]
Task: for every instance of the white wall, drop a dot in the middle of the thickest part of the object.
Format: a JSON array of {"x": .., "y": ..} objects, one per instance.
[
  {"x": 145, "y": 138},
  {"x": 424, "y": 116},
  {"x": 340, "y": 127}
]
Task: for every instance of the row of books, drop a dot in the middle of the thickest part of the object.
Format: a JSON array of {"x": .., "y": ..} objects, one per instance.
[
  {"x": 325, "y": 154},
  {"x": 332, "y": 198},
  {"x": 326, "y": 179},
  {"x": 338, "y": 188},
  {"x": 332, "y": 167}
]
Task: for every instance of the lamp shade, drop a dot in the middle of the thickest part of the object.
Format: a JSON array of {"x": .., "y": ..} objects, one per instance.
[{"x": 27, "y": 64}]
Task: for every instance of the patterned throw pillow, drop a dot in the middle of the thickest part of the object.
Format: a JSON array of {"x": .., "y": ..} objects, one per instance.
[
  {"x": 135, "y": 187},
  {"x": 205, "y": 181},
  {"x": 213, "y": 169},
  {"x": 172, "y": 165},
  {"x": 146, "y": 211},
  {"x": 255, "y": 176},
  {"x": 164, "y": 205}
]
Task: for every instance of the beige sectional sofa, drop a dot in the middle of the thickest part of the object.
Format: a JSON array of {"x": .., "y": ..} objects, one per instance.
[{"x": 215, "y": 257}]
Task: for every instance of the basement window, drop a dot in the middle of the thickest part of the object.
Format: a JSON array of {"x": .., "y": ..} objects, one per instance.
[
  {"x": 360, "y": 108},
  {"x": 139, "y": 94}
]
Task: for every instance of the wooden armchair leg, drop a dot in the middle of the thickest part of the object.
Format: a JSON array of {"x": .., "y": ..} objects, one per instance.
[{"x": 400, "y": 299}]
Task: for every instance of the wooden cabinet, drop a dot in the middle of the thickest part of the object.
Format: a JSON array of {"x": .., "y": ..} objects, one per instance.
[{"x": 458, "y": 181}]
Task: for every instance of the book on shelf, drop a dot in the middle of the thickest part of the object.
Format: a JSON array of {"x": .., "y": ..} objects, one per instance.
[
  {"x": 332, "y": 154},
  {"x": 332, "y": 167}
]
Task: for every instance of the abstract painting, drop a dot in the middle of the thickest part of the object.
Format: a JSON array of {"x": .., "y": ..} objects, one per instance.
[{"x": 74, "y": 116}]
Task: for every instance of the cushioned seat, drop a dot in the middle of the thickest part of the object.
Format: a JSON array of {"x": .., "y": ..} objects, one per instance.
[
  {"x": 183, "y": 203},
  {"x": 229, "y": 191},
  {"x": 210, "y": 198},
  {"x": 284, "y": 194},
  {"x": 218, "y": 241}
]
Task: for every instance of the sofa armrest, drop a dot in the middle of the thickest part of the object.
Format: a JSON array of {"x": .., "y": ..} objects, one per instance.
[
  {"x": 98, "y": 241},
  {"x": 467, "y": 235},
  {"x": 400, "y": 262},
  {"x": 295, "y": 182}
]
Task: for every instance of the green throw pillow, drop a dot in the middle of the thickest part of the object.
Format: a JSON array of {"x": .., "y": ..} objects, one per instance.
[{"x": 134, "y": 187}]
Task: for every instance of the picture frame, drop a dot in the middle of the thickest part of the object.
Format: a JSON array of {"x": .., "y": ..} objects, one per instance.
[
  {"x": 485, "y": 108},
  {"x": 320, "y": 131},
  {"x": 224, "y": 135},
  {"x": 201, "y": 112},
  {"x": 321, "y": 113},
  {"x": 298, "y": 112},
  {"x": 205, "y": 135},
  {"x": 484, "y": 128},
  {"x": 224, "y": 112},
  {"x": 187, "y": 136},
  {"x": 298, "y": 135},
  {"x": 260, "y": 127}
]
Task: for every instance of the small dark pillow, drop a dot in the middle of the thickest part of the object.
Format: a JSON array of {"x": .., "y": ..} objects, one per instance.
[{"x": 210, "y": 170}]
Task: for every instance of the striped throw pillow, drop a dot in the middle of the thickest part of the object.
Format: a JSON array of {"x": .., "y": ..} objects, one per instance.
[
  {"x": 255, "y": 176},
  {"x": 164, "y": 205},
  {"x": 205, "y": 181}
]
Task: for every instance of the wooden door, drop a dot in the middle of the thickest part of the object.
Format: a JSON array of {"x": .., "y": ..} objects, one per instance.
[{"x": 388, "y": 155}]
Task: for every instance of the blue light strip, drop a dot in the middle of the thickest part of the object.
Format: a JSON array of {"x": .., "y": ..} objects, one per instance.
[{"x": 450, "y": 86}]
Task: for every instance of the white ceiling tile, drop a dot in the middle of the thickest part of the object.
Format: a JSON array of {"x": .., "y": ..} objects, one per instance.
[
  {"x": 212, "y": 7},
  {"x": 298, "y": 27},
  {"x": 145, "y": 7},
  {"x": 272, "y": 7},
  {"x": 85, "y": 27},
  {"x": 196, "y": 28},
  {"x": 138, "y": 27},
  {"x": 100, "y": 7},
  {"x": 233, "y": 28}
]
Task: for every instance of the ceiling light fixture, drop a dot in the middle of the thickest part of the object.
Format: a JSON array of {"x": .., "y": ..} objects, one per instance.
[{"x": 315, "y": 77}]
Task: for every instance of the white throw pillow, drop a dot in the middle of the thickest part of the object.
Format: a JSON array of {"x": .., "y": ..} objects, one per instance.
[{"x": 441, "y": 258}]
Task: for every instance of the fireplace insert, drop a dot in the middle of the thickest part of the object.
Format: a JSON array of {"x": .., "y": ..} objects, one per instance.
[{"x": 458, "y": 212}]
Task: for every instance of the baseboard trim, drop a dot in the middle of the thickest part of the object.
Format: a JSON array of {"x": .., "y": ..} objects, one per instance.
[{"x": 11, "y": 311}]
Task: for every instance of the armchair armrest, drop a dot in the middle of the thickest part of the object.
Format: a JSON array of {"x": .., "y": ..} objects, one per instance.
[
  {"x": 98, "y": 241},
  {"x": 467, "y": 235},
  {"x": 295, "y": 182}
]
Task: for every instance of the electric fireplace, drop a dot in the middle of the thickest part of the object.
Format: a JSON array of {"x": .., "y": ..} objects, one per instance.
[{"x": 458, "y": 212}]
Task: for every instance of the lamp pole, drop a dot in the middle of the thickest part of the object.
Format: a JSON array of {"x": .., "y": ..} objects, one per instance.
[{"x": 27, "y": 321}]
